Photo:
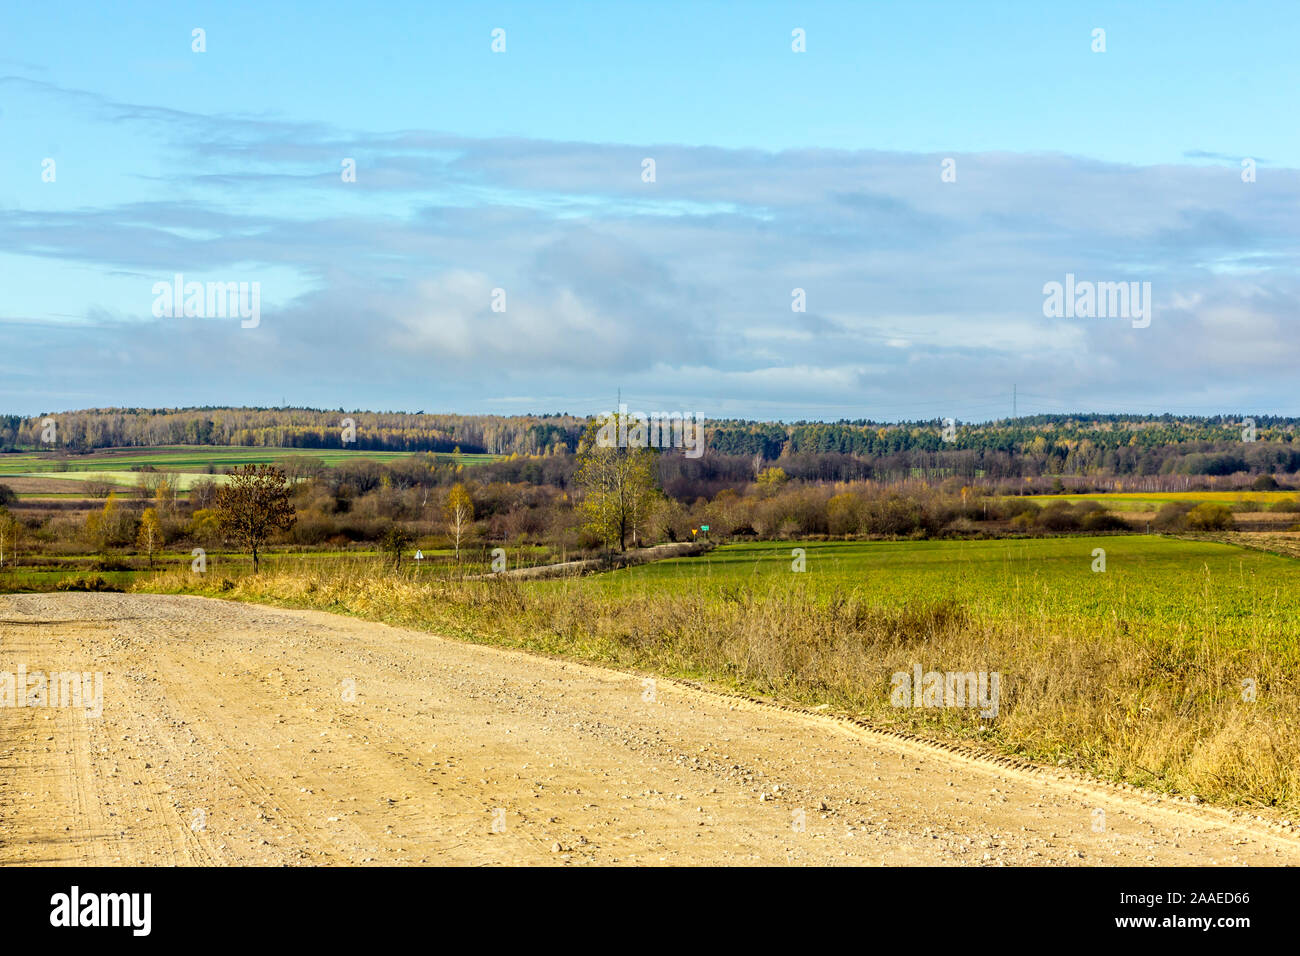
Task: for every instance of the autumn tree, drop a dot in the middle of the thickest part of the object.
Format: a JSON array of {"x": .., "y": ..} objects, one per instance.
[
  {"x": 394, "y": 540},
  {"x": 1210, "y": 516},
  {"x": 618, "y": 478},
  {"x": 459, "y": 510},
  {"x": 204, "y": 526},
  {"x": 110, "y": 526},
  {"x": 164, "y": 495},
  {"x": 150, "y": 536},
  {"x": 254, "y": 505}
]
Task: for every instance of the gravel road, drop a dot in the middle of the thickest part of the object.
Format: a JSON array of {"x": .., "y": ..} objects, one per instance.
[{"x": 241, "y": 734}]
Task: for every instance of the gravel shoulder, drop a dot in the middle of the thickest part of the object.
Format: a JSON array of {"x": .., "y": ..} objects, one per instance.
[{"x": 236, "y": 734}]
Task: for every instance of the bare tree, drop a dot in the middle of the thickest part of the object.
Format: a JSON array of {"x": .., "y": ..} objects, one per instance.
[{"x": 254, "y": 505}]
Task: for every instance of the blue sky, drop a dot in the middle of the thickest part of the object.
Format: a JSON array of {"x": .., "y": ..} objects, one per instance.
[{"x": 775, "y": 170}]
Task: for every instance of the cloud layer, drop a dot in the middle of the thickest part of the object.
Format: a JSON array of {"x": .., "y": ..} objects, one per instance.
[{"x": 923, "y": 297}]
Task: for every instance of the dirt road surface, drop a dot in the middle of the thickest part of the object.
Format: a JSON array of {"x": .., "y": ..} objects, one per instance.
[{"x": 238, "y": 734}]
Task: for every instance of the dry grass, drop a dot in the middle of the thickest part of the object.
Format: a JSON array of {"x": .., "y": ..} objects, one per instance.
[
  {"x": 1278, "y": 542},
  {"x": 1156, "y": 711}
]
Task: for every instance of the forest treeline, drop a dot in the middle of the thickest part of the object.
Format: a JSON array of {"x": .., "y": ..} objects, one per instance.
[{"x": 1026, "y": 447}]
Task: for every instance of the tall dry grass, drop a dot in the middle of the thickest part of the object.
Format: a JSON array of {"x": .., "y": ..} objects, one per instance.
[{"x": 1141, "y": 708}]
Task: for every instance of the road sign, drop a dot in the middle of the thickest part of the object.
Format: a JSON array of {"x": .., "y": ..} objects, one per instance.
[{"x": 419, "y": 555}]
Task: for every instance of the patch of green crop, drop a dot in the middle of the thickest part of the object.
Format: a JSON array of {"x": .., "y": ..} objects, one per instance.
[{"x": 1188, "y": 588}]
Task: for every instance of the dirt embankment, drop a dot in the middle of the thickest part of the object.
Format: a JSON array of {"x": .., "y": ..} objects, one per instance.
[{"x": 239, "y": 734}]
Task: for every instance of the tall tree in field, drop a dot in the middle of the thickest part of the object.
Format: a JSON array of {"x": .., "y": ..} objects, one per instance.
[
  {"x": 254, "y": 505},
  {"x": 110, "y": 526},
  {"x": 393, "y": 541},
  {"x": 460, "y": 513},
  {"x": 164, "y": 495},
  {"x": 150, "y": 536},
  {"x": 618, "y": 481}
]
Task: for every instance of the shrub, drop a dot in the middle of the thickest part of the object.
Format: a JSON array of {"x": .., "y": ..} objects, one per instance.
[
  {"x": 1059, "y": 516},
  {"x": 1172, "y": 516},
  {"x": 311, "y": 531},
  {"x": 79, "y": 583},
  {"x": 1209, "y": 516},
  {"x": 1015, "y": 507},
  {"x": 1101, "y": 520},
  {"x": 1024, "y": 521}
]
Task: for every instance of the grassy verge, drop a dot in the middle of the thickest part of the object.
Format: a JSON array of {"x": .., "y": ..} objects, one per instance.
[{"x": 1127, "y": 703}]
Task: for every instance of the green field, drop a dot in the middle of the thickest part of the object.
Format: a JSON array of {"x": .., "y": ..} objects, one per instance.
[
  {"x": 1153, "y": 500},
  {"x": 1189, "y": 588},
  {"x": 193, "y": 459},
  {"x": 186, "y": 464}
]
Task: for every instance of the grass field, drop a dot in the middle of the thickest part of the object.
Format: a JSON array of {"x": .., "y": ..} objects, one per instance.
[
  {"x": 1153, "y": 500},
  {"x": 1184, "y": 588},
  {"x": 192, "y": 459},
  {"x": 1138, "y": 673},
  {"x": 127, "y": 479}
]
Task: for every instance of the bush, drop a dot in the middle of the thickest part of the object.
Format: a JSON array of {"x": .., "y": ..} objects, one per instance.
[
  {"x": 1101, "y": 520},
  {"x": 893, "y": 515},
  {"x": 1209, "y": 516},
  {"x": 79, "y": 583},
  {"x": 1059, "y": 516},
  {"x": 1025, "y": 520},
  {"x": 1172, "y": 516},
  {"x": 311, "y": 531},
  {"x": 1015, "y": 507}
]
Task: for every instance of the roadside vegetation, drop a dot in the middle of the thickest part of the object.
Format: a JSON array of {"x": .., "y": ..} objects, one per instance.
[{"x": 1176, "y": 668}]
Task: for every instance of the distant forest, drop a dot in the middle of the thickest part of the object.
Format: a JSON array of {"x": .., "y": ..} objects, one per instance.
[{"x": 1027, "y": 447}]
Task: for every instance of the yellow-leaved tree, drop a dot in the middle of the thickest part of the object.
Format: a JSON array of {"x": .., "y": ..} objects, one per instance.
[
  {"x": 459, "y": 510},
  {"x": 618, "y": 482},
  {"x": 149, "y": 538}
]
